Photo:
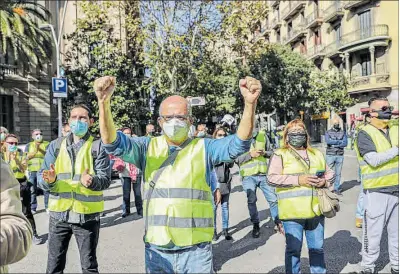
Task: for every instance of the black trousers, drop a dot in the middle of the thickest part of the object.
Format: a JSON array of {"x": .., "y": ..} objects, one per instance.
[
  {"x": 87, "y": 238},
  {"x": 25, "y": 193}
]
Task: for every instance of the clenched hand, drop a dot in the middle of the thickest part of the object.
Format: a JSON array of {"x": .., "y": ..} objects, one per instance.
[
  {"x": 86, "y": 178},
  {"x": 250, "y": 89},
  {"x": 104, "y": 88},
  {"x": 49, "y": 176}
]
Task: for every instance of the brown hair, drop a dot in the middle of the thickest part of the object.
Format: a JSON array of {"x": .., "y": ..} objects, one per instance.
[
  {"x": 294, "y": 123},
  {"x": 216, "y": 131},
  {"x": 11, "y": 136}
]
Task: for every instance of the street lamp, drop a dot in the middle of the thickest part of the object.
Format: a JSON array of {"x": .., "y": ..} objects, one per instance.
[{"x": 57, "y": 44}]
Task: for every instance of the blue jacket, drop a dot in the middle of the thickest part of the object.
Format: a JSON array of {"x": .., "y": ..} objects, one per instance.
[{"x": 336, "y": 141}]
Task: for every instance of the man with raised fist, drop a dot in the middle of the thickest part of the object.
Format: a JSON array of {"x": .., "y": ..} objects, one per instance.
[
  {"x": 177, "y": 170},
  {"x": 75, "y": 171}
]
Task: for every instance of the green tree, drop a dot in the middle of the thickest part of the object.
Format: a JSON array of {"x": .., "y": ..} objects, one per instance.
[
  {"x": 20, "y": 34},
  {"x": 94, "y": 52}
]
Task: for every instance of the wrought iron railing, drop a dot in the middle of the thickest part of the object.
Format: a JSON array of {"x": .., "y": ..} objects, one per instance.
[
  {"x": 370, "y": 79},
  {"x": 293, "y": 4},
  {"x": 275, "y": 21},
  {"x": 361, "y": 34},
  {"x": 299, "y": 27}
]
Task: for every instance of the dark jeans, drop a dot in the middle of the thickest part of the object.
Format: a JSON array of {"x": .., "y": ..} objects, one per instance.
[
  {"x": 126, "y": 193},
  {"x": 25, "y": 193},
  {"x": 34, "y": 191},
  {"x": 87, "y": 237}
]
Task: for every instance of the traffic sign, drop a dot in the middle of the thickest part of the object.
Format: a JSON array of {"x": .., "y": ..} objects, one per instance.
[
  {"x": 197, "y": 101},
  {"x": 60, "y": 87}
]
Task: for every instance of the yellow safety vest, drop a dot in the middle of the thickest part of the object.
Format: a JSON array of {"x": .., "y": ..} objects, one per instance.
[
  {"x": 256, "y": 165},
  {"x": 34, "y": 164},
  {"x": 18, "y": 173},
  {"x": 180, "y": 209},
  {"x": 384, "y": 175},
  {"x": 299, "y": 202},
  {"x": 68, "y": 193}
]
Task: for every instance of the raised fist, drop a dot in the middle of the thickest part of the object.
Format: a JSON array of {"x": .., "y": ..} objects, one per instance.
[
  {"x": 86, "y": 178},
  {"x": 104, "y": 88},
  {"x": 250, "y": 89}
]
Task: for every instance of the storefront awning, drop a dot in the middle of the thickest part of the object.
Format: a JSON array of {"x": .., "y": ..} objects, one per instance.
[{"x": 323, "y": 116}]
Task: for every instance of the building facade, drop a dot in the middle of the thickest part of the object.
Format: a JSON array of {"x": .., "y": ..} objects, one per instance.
[{"x": 356, "y": 37}]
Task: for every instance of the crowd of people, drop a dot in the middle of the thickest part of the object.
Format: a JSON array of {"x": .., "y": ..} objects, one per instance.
[{"x": 186, "y": 175}]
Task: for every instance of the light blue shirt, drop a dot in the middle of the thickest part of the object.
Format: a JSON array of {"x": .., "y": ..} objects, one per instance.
[{"x": 133, "y": 150}]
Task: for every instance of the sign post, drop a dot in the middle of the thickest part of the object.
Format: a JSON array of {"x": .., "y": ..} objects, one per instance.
[{"x": 59, "y": 88}]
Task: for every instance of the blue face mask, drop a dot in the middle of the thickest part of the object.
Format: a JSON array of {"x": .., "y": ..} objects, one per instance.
[
  {"x": 12, "y": 148},
  {"x": 79, "y": 128}
]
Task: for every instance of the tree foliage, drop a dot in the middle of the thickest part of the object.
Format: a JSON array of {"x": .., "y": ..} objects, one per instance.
[
  {"x": 20, "y": 35},
  {"x": 96, "y": 51}
]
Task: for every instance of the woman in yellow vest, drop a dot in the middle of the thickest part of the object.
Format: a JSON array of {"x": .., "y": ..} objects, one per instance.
[
  {"x": 14, "y": 157},
  {"x": 296, "y": 170}
]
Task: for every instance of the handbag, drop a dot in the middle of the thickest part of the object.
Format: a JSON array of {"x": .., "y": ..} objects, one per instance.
[{"x": 328, "y": 201}]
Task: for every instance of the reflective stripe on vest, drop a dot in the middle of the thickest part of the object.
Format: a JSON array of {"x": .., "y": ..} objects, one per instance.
[
  {"x": 34, "y": 164},
  {"x": 299, "y": 202},
  {"x": 180, "y": 209},
  {"x": 385, "y": 175},
  {"x": 257, "y": 165},
  {"x": 68, "y": 193},
  {"x": 180, "y": 193},
  {"x": 162, "y": 220}
]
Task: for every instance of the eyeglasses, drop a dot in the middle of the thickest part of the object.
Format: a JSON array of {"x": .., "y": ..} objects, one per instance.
[
  {"x": 221, "y": 135},
  {"x": 384, "y": 108},
  {"x": 179, "y": 117},
  {"x": 12, "y": 143}
]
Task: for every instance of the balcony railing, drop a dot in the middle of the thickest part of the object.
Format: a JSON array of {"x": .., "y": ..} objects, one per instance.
[
  {"x": 314, "y": 18},
  {"x": 265, "y": 29},
  {"x": 276, "y": 22},
  {"x": 360, "y": 83},
  {"x": 333, "y": 12},
  {"x": 317, "y": 50},
  {"x": 355, "y": 3},
  {"x": 274, "y": 3},
  {"x": 332, "y": 48},
  {"x": 298, "y": 31},
  {"x": 293, "y": 7},
  {"x": 6, "y": 69},
  {"x": 362, "y": 34}
]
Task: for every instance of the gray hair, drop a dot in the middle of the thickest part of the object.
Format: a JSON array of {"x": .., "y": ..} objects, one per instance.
[
  {"x": 3, "y": 129},
  {"x": 36, "y": 129}
]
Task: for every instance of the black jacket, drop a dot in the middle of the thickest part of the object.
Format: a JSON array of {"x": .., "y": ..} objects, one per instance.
[{"x": 224, "y": 177}]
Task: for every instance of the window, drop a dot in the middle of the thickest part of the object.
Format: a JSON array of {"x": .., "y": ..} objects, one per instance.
[
  {"x": 317, "y": 37},
  {"x": 278, "y": 36},
  {"x": 365, "y": 64},
  {"x": 365, "y": 24},
  {"x": 277, "y": 13},
  {"x": 290, "y": 28},
  {"x": 303, "y": 47},
  {"x": 7, "y": 112}
]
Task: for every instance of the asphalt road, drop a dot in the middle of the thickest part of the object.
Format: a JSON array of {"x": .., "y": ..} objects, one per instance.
[{"x": 121, "y": 248}]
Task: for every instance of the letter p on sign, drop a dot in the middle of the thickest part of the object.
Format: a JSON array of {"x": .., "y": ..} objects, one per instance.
[{"x": 60, "y": 87}]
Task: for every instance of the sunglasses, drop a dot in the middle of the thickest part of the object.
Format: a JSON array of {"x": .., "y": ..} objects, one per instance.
[
  {"x": 385, "y": 108},
  {"x": 12, "y": 143},
  {"x": 179, "y": 117}
]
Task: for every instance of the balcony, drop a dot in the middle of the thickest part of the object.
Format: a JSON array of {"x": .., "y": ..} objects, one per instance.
[
  {"x": 334, "y": 12},
  {"x": 352, "y": 4},
  {"x": 317, "y": 51},
  {"x": 375, "y": 33},
  {"x": 274, "y": 3},
  {"x": 314, "y": 19},
  {"x": 265, "y": 30},
  {"x": 292, "y": 9},
  {"x": 276, "y": 23},
  {"x": 369, "y": 83},
  {"x": 298, "y": 32},
  {"x": 331, "y": 50},
  {"x": 6, "y": 69}
]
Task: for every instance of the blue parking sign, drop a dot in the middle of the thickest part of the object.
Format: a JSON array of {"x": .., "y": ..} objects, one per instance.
[{"x": 60, "y": 87}]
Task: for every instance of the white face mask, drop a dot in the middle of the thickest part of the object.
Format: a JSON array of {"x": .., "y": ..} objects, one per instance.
[
  {"x": 176, "y": 130},
  {"x": 39, "y": 137}
]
